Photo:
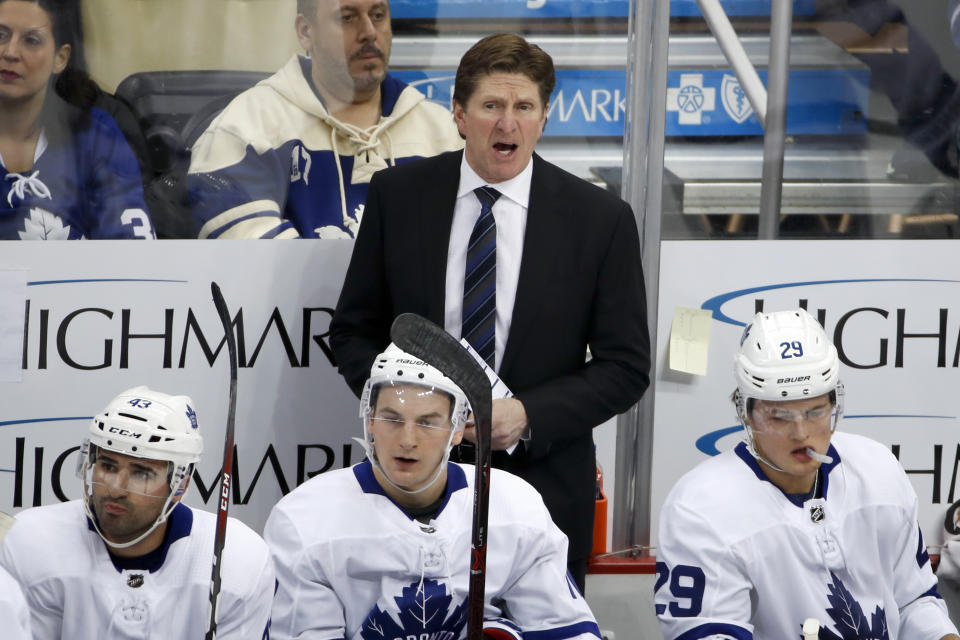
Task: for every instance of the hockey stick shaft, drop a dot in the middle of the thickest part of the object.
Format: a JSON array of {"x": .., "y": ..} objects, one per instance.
[
  {"x": 425, "y": 340},
  {"x": 224, "y": 506}
]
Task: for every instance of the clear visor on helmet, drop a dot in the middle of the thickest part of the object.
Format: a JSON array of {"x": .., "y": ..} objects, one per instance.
[
  {"x": 112, "y": 473},
  {"x": 787, "y": 418},
  {"x": 393, "y": 405}
]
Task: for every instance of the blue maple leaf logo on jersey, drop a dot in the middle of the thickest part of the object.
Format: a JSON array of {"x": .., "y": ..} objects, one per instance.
[
  {"x": 424, "y": 609},
  {"x": 848, "y": 617}
]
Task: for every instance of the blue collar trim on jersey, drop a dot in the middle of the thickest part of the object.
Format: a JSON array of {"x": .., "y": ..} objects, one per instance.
[
  {"x": 456, "y": 480},
  {"x": 825, "y": 469},
  {"x": 390, "y": 90},
  {"x": 179, "y": 524}
]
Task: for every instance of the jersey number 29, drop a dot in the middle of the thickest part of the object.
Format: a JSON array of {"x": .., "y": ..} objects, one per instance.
[{"x": 686, "y": 585}]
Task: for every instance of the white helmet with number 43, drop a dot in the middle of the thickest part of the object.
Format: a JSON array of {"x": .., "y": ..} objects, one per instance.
[{"x": 143, "y": 423}]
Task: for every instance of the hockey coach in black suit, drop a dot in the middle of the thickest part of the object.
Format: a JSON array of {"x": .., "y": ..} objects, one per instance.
[{"x": 530, "y": 263}]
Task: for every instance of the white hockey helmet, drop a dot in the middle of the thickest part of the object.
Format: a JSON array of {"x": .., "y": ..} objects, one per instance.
[
  {"x": 785, "y": 355},
  {"x": 143, "y": 423},
  {"x": 396, "y": 367}
]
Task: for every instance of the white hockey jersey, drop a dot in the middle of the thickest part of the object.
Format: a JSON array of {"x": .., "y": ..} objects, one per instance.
[
  {"x": 14, "y": 615},
  {"x": 738, "y": 558},
  {"x": 75, "y": 591},
  {"x": 352, "y": 564}
]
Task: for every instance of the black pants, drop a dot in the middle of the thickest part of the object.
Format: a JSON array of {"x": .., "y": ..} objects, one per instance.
[{"x": 578, "y": 571}]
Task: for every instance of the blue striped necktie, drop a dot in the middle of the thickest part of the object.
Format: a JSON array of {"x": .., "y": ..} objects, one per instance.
[{"x": 480, "y": 279}]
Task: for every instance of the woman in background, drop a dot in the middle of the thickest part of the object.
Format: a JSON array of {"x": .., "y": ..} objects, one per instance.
[{"x": 66, "y": 170}]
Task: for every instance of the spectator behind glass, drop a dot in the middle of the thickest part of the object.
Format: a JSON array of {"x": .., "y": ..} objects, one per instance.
[
  {"x": 293, "y": 156},
  {"x": 67, "y": 170}
]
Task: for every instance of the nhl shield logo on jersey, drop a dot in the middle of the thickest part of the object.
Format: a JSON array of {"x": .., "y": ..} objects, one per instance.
[
  {"x": 734, "y": 99},
  {"x": 423, "y": 613},
  {"x": 135, "y": 580},
  {"x": 817, "y": 513}
]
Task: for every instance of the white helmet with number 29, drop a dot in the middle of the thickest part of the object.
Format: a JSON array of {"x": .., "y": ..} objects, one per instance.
[{"x": 783, "y": 356}]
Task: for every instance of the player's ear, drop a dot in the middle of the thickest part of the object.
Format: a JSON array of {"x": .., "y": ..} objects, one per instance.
[{"x": 457, "y": 438}]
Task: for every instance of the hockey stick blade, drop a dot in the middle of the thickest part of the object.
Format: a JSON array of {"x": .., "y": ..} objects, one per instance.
[
  {"x": 422, "y": 338},
  {"x": 224, "y": 504},
  {"x": 425, "y": 340}
]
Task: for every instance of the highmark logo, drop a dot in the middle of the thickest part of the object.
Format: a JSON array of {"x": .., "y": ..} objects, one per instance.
[
  {"x": 37, "y": 469},
  {"x": 870, "y": 336},
  {"x": 167, "y": 337}
]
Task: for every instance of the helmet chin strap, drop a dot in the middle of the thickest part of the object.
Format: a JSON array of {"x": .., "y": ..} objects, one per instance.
[
  {"x": 88, "y": 494},
  {"x": 752, "y": 448},
  {"x": 125, "y": 545},
  {"x": 372, "y": 456},
  {"x": 740, "y": 403}
]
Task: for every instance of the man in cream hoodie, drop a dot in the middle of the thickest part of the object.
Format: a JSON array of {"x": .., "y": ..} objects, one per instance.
[{"x": 293, "y": 156}]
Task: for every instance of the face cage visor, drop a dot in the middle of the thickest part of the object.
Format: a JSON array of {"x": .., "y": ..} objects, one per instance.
[
  {"x": 110, "y": 479},
  {"x": 773, "y": 420},
  {"x": 436, "y": 422}
]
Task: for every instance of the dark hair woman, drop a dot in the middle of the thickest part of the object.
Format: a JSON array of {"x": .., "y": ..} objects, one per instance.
[{"x": 66, "y": 170}]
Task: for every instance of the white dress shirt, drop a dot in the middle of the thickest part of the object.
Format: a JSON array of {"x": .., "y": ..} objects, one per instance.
[{"x": 510, "y": 213}]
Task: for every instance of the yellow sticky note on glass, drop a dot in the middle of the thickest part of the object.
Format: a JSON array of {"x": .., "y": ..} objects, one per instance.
[
  {"x": 690, "y": 340},
  {"x": 6, "y": 521}
]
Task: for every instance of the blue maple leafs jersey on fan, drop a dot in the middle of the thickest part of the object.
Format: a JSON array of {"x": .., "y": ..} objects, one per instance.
[
  {"x": 74, "y": 590},
  {"x": 738, "y": 558},
  {"x": 87, "y": 187},
  {"x": 352, "y": 564},
  {"x": 276, "y": 164}
]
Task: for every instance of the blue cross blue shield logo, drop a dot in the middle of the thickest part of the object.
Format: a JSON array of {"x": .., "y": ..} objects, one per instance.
[{"x": 734, "y": 99}]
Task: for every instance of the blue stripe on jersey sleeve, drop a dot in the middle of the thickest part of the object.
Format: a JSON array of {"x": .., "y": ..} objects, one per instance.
[
  {"x": 716, "y": 628},
  {"x": 569, "y": 631},
  {"x": 277, "y": 230},
  {"x": 922, "y": 556},
  {"x": 932, "y": 593}
]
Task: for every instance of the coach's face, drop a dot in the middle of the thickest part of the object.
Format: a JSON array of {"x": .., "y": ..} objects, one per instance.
[
  {"x": 349, "y": 43},
  {"x": 502, "y": 121}
]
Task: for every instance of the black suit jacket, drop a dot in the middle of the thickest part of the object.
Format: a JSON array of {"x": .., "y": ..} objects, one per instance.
[{"x": 580, "y": 285}]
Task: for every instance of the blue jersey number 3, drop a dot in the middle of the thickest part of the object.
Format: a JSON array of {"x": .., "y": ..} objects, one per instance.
[{"x": 686, "y": 584}]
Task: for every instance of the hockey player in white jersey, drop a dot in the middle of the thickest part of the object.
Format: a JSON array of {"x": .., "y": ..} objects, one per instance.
[
  {"x": 381, "y": 551},
  {"x": 129, "y": 560},
  {"x": 14, "y": 615},
  {"x": 796, "y": 521}
]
